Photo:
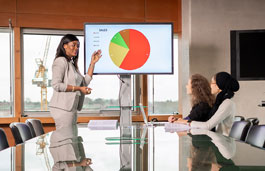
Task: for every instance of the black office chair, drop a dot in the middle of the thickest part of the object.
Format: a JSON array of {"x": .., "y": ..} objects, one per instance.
[
  {"x": 21, "y": 132},
  {"x": 256, "y": 136},
  {"x": 3, "y": 140},
  {"x": 238, "y": 118},
  {"x": 239, "y": 130},
  {"x": 35, "y": 126},
  {"x": 253, "y": 121}
]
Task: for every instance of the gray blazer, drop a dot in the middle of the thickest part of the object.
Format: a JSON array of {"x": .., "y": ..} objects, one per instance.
[{"x": 63, "y": 74}]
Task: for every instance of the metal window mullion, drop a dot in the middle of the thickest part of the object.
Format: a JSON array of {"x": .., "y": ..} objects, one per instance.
[
  {"x": 11, "y": 63},
  {"x": 153, "y": 93}
]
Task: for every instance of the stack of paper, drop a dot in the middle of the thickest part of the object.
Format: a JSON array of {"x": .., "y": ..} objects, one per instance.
[
  {"x": 176, "y": 127},
  {"x": 103, "y": 124}
]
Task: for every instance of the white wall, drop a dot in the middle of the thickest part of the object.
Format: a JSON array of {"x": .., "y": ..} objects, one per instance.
[{"x": 205, "y": 44}]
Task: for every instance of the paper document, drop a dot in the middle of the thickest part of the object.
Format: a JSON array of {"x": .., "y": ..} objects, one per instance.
[
  {"x": 103, "y": 124},
  {"x": 176, "y": 127}
]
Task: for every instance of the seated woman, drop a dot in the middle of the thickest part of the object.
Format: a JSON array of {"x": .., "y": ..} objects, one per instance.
[
  {"x": 223, "y": 85},
  {"x": 202, "y": 100}
]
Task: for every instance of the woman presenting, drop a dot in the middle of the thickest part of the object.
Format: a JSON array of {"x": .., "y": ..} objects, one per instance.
[{"x": 69, "y": 86}]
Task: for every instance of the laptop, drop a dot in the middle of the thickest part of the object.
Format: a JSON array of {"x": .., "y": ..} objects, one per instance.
[{"x": 145, "y": 119}]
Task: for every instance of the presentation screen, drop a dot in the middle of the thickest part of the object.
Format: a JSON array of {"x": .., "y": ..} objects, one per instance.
[{"x": 130, "y": 48}]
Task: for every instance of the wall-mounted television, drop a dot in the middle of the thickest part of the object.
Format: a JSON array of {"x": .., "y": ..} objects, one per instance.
[
  {"x": 248, "y": 54},
  {"x": 130, "y": 48}
]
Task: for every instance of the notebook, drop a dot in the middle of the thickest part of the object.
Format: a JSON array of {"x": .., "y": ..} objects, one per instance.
[
  {"x": 176, "y": 127},
  {"x": 102, "y": 124}
]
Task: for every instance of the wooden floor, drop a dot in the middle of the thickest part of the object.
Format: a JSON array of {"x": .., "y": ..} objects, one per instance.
[{"x": 11, "y": 141}]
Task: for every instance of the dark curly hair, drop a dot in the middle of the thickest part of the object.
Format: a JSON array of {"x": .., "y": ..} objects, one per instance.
[{"x": 201, "y": 90}]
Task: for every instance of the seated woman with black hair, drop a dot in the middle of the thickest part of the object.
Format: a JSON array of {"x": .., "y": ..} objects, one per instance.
[
  {"x": 202, "y": 100},
  {"x": 224, "y": 109}
]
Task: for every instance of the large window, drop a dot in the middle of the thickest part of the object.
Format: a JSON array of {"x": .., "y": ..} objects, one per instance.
[
  {"x": 6, "y": 67},
  {"x": 163, "y": 89},
  {"x": 39, "y": 52}
]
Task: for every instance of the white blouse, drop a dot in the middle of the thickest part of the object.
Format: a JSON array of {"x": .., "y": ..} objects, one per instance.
[
  {"x": 222, "y": 119},
  {"x": 78, "y": 79}
]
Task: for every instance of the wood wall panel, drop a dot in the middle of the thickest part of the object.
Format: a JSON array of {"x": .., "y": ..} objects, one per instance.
[
  {"x": 164, "y": 11},
  {"x": 7, "y": 6},
  {"x": 102, "y": 8},
  {"x": 44, "y": 120},
  {"x": 162, "y": 118},
  {"x": 69, "y": 14},
  {"x": 17, "y": 61},
  {"x": 7, "y": 11},
  {"x": 66, "y": 22},
  {"x": 49, "y": 127},
  {"x": 8, "y": 120},
  {"x": 157, "y": 9},
  {"x": 4, "y": 19}
]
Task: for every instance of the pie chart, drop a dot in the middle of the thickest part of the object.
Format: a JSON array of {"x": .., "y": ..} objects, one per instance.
[{"x": 129, "y": 49}]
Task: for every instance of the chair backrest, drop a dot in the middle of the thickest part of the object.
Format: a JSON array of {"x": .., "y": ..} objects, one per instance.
[
  {"x": 35, "y": 126},
  {"x": 21, "y": 132},
  {"x": 254, "y": 121},
  {"x": 3, "y": 140},
  {"x": 238, "y": 118},
  {"x": 239, "y": 130},
  {"x": 256, "y": 136}
]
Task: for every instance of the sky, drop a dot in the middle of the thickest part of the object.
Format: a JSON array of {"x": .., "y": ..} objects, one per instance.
[
  {"x": 5, "y": 67},
  {"x": 103, "y": 86}
]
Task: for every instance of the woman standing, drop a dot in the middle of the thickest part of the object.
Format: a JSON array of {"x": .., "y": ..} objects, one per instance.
[
  {"x": 202, "y": 100},
  {"x": 223, "y": 85},
  {"x": 69, "y": 86}
]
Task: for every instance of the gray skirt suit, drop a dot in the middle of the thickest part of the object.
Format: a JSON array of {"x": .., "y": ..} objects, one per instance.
[{"x": 64, "y": 105}]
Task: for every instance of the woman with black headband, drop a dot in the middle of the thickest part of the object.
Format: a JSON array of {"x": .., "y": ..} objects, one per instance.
[{"x": 223, "y": 85}]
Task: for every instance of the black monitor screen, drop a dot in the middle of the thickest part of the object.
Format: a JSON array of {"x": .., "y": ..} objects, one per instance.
[{"x": 248, "y": 54}]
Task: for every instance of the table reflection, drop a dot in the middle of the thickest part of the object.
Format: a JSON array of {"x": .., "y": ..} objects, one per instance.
[
  {"x": 133, "y": 148},
  {"x": 67, "y": 151},
  {"x": 211, "y": 151}
]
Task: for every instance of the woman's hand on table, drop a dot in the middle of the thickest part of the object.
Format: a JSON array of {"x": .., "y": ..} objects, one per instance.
[
  {"x": 172, "y": 119},
  {"x": 181, "y": 121}
]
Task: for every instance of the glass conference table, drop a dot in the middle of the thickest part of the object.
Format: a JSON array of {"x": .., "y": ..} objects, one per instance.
[{"x": 136, "y": 148}]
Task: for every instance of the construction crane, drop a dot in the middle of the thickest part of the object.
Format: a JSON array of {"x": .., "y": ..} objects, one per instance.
[
  {"x": 42, "y": 149},
  {"x": 41, "y": 75}
]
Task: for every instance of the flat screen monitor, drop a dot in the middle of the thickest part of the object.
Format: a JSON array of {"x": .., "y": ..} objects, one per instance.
[
  {"x": 248, "y": 54},
  {"x": 130, "y": 48}
]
